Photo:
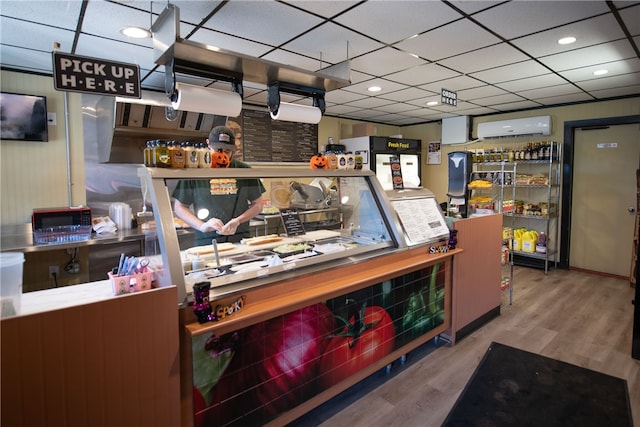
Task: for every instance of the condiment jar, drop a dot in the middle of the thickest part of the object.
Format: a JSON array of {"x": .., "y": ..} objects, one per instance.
[
  {"x": 204, "y": 156},
  {"x": 190, "y": 155},
  {"x": 163, "y": 156},
  {"x": 332, "y": 160},
  {"x": 177, "y": 156}
]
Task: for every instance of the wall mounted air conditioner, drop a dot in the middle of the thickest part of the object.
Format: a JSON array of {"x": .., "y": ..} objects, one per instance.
[{"x": 515, "y": 127}]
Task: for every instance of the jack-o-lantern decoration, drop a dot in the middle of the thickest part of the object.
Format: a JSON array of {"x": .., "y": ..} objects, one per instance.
[
  {"x": 220, "y": 159},
  {"x": 318, "y": 161}
]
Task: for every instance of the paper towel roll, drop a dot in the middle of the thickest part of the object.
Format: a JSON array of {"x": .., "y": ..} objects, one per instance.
[
  {"x": 202, "y": 99},
  {"x": 297, "y": 113}
]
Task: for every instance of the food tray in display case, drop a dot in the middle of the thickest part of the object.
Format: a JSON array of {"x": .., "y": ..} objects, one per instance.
[{"x": 363, "y": 225}]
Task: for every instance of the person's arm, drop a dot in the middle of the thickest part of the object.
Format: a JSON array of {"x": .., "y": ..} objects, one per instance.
[
  {"x": 254, "y": 209},
  {"x": 185, "y": 213}
]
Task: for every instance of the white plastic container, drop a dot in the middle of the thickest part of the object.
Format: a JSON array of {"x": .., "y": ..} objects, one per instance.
[{"x": 11, "y": 266}]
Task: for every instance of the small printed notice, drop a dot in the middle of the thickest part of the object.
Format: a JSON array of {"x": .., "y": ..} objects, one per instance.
[
  {"x": 396, "y": 173},
  {"x": 421, "y": 220},
  {"x": 291, "y": 222}
]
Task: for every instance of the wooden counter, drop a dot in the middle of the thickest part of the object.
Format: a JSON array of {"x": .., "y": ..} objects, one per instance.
[
  {"x": 477, "y": 273},
  {"x": 280, "y": 298},
  {"x": 113, "y": 362}
]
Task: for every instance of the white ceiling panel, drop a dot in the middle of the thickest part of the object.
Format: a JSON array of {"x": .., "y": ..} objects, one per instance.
[
  {"x": 485, "y": 58},
  {"x": 505, "y": 73},
  {"x": 589, "y": 32},
  {"x": 545, "y": 80},
  {"x": 393, "y": 21},
  {"x": 585, "y": 57},
  {"x": 332, "y": 43},
  {"x": 519, "y": 18},
  {"x": 272, "y": 22},
  {"x": 507, "y": 60},
  {"x": 449, "y": 40},
  {"x": 423, "y": 75}
]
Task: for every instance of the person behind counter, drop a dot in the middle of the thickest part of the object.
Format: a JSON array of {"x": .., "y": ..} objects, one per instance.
[{"x": 219, "y": 209}]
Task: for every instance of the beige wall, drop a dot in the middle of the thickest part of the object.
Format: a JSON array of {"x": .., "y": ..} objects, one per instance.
[{"x": 34, "y": 174}]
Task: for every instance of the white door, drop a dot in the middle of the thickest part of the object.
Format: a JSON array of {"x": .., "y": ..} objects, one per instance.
[{"x": 604, "y": 198}]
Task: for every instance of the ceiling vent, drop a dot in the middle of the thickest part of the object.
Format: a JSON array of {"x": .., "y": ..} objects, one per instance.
[{"x": 516, "y": 127}]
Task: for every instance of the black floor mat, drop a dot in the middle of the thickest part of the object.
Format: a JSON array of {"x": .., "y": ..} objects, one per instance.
[{"x": 512, "y": 387}]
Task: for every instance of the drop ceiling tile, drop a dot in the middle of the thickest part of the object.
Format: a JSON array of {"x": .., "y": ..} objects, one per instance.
[
  {"x": 386, "y": 86},
  {"x": 498, "y": 99},
  {"x": 370, "y": 102},
  {"x": 511, "y": 72},
  {"x": 623, "y": 80},
  {"x": 533, "y": 16},
  {"x": 384, "y": 61},
  {"x": 631, "y": 18},
  {"x": 21, "y": 59},
  {"x": 423, "y": 74},
  {"x": 588, "y": 56},
  {"x": 454, "y": 83},
  {"x": 613, "y": 92},
  {"x": 323, "y": 8},
  {"x": 116, "y": 51},
  {"x": 479, "y": 92},
  {"x": 449, "y": 40},
  {"x": 342, "y": 109},
  {"x": 589, "y": 32},
  {"x": 563, "y": 99},
  {"x": 271, "y": 22},
  {"x": 471, "y": 7},
  {"x": 514, "y": 106},
  {"x": 485, "y": 58},
  {"x": 408, "y": 94},
  {"x": 546, "y": 92},
  {"x": 120, "y": 16},
  {"x": 58, "y": 13},
  {"x": 342, "y": 96},
  {"x": 398, "y": 107},
  {"x": 333, "y": 44},
  {"x": 33, "y": 36},
  {"x": 230, "y": 43},
  {"x": 532, "y": 83},
  {"x": 613, "y": 68},
  {"x": 293, "y": 59},
  {"x": 393, "y": 21},
  {"x": 191, "y": 11}
]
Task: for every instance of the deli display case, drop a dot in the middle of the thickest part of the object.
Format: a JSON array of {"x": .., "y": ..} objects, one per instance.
[
  {"x": 361, "y": 224},
  {"x": 269, "y": 325}
]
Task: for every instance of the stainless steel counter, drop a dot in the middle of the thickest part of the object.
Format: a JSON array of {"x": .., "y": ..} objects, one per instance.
[{"x": 20, "y": 239}]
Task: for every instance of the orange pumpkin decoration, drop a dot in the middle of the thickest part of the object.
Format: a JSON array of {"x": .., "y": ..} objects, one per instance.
[
  {"x": 220, "y": 159},
  {"x": 318, "y": 161}
]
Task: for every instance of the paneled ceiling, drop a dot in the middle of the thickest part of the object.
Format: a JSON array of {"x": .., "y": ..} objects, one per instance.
[{"x": 498, "y": 56}]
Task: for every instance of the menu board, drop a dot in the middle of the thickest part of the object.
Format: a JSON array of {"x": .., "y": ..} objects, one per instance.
[
  {"x": 421, "y": 220},
  {"x": 268, "y": 140}
]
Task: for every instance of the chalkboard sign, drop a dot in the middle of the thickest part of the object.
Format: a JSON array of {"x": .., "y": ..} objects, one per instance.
[
  {"x": 267, "y": 140},
  {"x": 291, "y": 222}
]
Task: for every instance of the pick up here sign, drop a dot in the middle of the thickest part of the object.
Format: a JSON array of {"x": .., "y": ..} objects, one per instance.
[{"x": 91, "y": 75}]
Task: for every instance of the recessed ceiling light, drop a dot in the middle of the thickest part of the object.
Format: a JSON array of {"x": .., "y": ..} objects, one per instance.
[
  {"x": 136, "y": 32},
  {"x": 600, "y": 72},
  {"x": 432, "y": 103},
  {"x": 374, "y": 88},
  {"x": 567, "y": 40}
]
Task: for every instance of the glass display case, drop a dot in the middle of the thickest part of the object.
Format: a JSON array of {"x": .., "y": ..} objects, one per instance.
[{"x": 313, "y": 219}]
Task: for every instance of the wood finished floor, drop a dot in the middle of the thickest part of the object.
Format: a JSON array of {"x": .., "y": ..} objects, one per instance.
[{"x": 576, "y": 317}]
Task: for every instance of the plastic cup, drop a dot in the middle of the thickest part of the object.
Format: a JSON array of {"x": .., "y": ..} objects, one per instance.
[{"x": 11, "y": 264}]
